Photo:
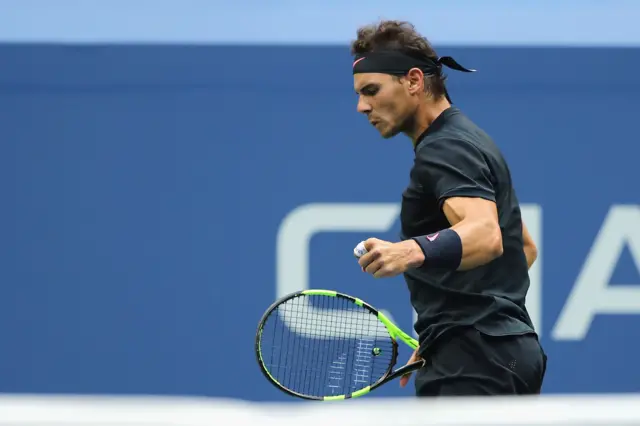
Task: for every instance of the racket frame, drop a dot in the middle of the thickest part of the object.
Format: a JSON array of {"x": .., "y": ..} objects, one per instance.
[{"x": 394, "y": 331}]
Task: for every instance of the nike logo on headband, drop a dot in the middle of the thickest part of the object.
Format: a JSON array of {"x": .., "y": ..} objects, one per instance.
[{"x": 356, "y": 61}]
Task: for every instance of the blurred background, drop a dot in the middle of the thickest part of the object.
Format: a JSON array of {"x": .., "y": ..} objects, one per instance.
[{"x": 170, "y": 167}]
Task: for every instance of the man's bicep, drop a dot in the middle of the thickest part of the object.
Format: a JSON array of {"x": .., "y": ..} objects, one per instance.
[
  {"x": 475, "y": 221},
  {"x": 457, "y": 209},
  {"x": 455, "y": 168}
]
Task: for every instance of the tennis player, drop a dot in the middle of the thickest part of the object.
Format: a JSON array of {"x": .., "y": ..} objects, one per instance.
[{"x": 464, "y": 250}]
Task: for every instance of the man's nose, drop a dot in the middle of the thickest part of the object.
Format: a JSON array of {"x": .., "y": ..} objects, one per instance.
[{"x": 363, "y": 106}]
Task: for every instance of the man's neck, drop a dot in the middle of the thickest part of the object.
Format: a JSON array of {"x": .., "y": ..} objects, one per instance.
[{"x": 426, "y": 114}]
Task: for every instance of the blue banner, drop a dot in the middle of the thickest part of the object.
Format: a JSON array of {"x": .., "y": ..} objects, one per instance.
[{"x": 158, "y": 198}]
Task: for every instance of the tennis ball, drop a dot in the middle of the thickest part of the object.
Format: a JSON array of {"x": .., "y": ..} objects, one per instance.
[{"x": 359, "y": 250}]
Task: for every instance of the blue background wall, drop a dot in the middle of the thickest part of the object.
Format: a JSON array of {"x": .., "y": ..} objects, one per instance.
[
  {"x": 151, "y": 153},
  {"x": 144, "y": 188}
]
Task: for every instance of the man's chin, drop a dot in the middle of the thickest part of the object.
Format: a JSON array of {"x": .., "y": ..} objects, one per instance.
[{"x": 388, "y": 134}]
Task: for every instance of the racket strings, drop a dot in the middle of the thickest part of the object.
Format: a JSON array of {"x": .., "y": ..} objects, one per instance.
[{"x": 325, "y": 346}]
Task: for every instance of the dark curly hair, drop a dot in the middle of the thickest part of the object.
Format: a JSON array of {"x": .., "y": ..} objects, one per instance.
[{"x": 402, "y": 36}]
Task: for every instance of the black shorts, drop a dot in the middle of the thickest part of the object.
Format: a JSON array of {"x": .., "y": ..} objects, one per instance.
[{"x": 470, "y": 363}]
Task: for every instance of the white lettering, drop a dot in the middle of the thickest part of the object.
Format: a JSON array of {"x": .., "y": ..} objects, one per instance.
[
  {"x": 299, "y": 226},
  {"x": 592, "y": 293}
]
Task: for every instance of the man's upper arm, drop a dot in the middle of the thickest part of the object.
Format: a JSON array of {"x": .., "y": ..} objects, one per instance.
[{"x": 458, "y": 208}]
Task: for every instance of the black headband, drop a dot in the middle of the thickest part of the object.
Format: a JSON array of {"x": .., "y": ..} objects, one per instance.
[{"x": 395, "y": 62}]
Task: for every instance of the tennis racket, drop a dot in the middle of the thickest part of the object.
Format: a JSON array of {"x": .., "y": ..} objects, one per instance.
[{"x": 324, "y": 345}]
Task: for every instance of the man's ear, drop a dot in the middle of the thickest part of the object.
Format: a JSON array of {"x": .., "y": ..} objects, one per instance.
[{"x": 415, "y": 80}]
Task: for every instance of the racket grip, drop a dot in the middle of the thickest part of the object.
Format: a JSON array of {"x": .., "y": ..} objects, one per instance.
[
  {"x": 359, "y": 251},
  {"x": 409, "y": 368}
]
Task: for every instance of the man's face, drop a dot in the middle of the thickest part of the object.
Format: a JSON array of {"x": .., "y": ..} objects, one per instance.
[{"x": 386, "y": 101}]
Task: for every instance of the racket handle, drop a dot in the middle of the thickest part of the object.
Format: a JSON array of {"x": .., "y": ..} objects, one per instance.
[
  {"x": 359, "y": 251},
  {"x": 409, "y": 368}
]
